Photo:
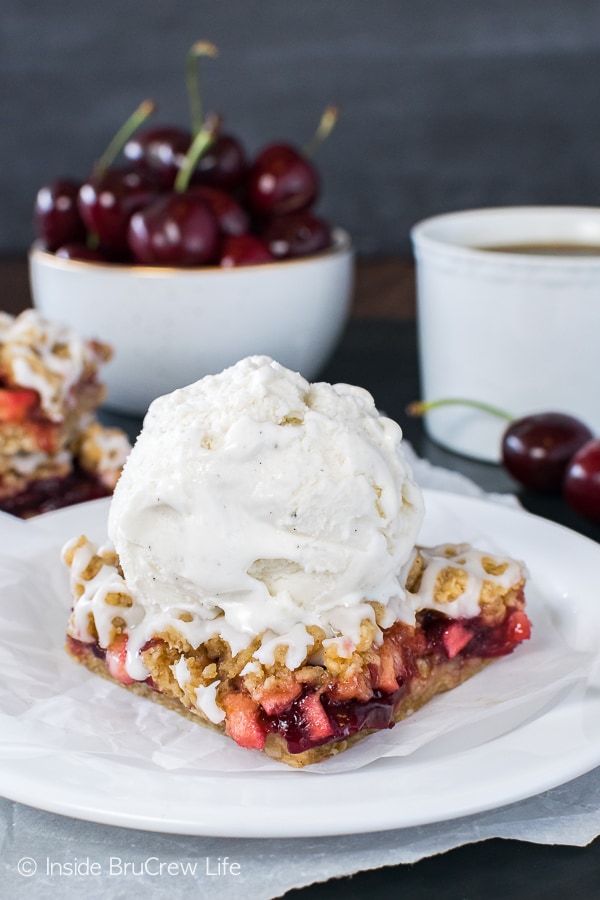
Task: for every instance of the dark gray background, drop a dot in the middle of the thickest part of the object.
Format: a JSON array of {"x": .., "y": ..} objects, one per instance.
[{"x": 446, "y": 104}]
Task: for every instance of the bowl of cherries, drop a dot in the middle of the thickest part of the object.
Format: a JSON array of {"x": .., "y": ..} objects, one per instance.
[{"x": 186, "y": 253}]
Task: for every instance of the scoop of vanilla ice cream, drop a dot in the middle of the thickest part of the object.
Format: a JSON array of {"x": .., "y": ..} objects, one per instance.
[{"x": 264, "y": 501}]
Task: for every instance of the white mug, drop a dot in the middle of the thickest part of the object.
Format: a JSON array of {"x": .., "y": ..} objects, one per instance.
[{"x": 504, "y": 323}]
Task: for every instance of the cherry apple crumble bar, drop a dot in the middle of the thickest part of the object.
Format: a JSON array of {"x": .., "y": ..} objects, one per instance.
[
  {"x": 53, "y": 451},
  {"x": 313, "y": 696}
]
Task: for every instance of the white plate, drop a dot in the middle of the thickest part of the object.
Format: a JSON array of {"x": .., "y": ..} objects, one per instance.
[{"x": 455, "y": 776}]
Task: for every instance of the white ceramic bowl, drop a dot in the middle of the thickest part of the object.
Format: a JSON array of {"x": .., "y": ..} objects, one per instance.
[
  {"x": 516, "y": 330},
  {"x": 169, "y": 327}
]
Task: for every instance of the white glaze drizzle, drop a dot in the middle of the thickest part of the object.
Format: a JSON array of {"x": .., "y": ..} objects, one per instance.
[
  {"x": 143, "y": 622},
  {"x": 181, "y": 672},
  {"x": 206, "y": 700},
  {"x": 470, "y": 561}
]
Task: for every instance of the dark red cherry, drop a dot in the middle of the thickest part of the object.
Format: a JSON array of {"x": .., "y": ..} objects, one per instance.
[
  {"x": 295, "y": 235},
  {"x": 231, "y": 216},
  {"x": 244, "y": 250},
  {"x": 582, "y": 481},
  {"x": 177, "y": 229},
  {"x": 223, "y": 164},
  {"x": 537, "y": 449},
  {"x": 82, "y": 252},
  {"x": 106, "y": 204},
  {"x": 158, "y": 152},
  {"x": 282, "y": 180},
  {"x": 56, "y": 218}
]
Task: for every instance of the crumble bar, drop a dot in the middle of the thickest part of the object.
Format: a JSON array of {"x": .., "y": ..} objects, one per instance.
[
  {"x": 53, "y": 452},
  {"x": 309, "y": 697}
]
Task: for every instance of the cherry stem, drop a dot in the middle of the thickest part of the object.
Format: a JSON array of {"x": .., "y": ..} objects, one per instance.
[
  {"x": 421, "y": 407},
  {"x": 200, "y": 48},
  {"x": 137, "y": 118},
  {"x": 324, "y": 129},
  {"x": 199, "y": 145}
]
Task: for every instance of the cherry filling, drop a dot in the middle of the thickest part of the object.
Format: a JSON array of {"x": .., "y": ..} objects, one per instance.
[
  {"x": 316, "y": 717},
  {"x": 302, "y": 730},
  {"x": 54, "y": 493},
  {"x": 98, "y": 651},
  {"x": 472, "y": 637},
  {"x": 311, "y": 720},
  {"x": 114, "y": 657}
]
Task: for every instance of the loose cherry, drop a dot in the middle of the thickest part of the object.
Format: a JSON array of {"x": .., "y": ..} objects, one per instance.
[
  {"x": 56, "y": 218},
  {"x": 107, "y": 202},
  {"x": 174, "y": 230},
  {"x": 179, "y": 228},
  {"x": 108, "y": 199},
  {"x": 244, "y": 250},
  {"x": 283, "y": 179},
  {"x": 158, "y": 152},
  {"x": 582, "y": 481},
  {"x": 296, "y": 235},
  {"x": 224, "y": 164},
  {"x": 537, "y": 449},
  {"x": 231, "y": 216}
]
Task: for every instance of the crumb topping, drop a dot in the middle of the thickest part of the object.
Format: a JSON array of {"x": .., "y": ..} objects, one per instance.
[{"x": 190, "y": 658}]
